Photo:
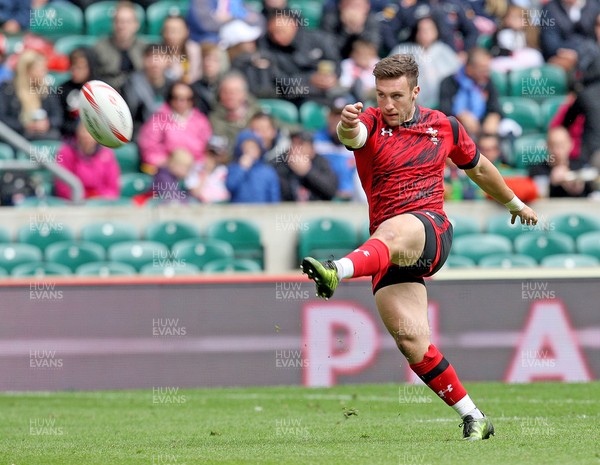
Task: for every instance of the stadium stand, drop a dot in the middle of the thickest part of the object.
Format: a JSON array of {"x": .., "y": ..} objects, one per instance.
[{"x": 200, "y": 252}]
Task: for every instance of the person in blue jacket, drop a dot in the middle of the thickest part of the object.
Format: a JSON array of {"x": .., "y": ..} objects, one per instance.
[{"x": 250, "y": 179}]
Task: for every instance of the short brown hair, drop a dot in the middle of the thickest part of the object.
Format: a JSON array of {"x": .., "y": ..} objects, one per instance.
[{"x": 396, "y": 66}]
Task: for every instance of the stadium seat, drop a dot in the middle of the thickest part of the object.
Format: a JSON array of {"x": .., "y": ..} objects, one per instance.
[
  {"x": 6, "y": 152},
  {"x": 530, "y": 150},
  {"x": 310, "y": 10},
  {"x": 98, "y": 202},
  {"x": 57, "y": 79},
  {"x": 157, "y": 12},
  {"x": 43, "y": 150},
  {"x": 485, "y": 41},
  {"x": 128, "y": 157},
  {"x": 170, "y": 232},
  {"x": 227, "y": 265},
  {"x": 507, "y": 261},
  {"x": 133, "y": 184},
  {"x": 199, "y": 252},
  {"x": 462, "y": 225},
  {"x": 589, "y": 243},
  {"x": 12, "y": 255},
  {"x": 3, "y": 273},
  {"x": 575, "y": 224},
  {"x": 458, "y": 261},
  {"x": 281, "y": 110},
  {"x": 73, "y": 254},
  {"x": 548, "y": 109},
  {"x": 56, "y": 19},
  {"x": 139, "y": 253},
  {"x": 243, "y": 236},
  {"x": 47, "y": 201},
  {"x": 103, "y": 269},
  {"x": 539, "y": 245},
  {"x": 43, "y": 230},
  {"x": 254, "y": 5},
  {"x": 477, "y": 246},
  {"x": 40, "y": 269},
  {"x": 107, "y": 233},
  {"x": 500, "y": 81},
  {"x": 538, "y": 83},
  {"x": 67, "y": 44},
  {"x": 5, "y": 235},
  {"x": 313, "y": 116},
  {"x": 324, "y": 237},
  {"x": 500, "y": 225},
  {"x": 364, "y": 232},
  {"x": 169, "y": 270},
  {"x": 99, "y": 17},
  {"x": 526, "y": 112},
  {"x": 570, "y": 261}
]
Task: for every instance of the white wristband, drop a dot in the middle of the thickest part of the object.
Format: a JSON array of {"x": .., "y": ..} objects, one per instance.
[{"x": 515, "y": 205}]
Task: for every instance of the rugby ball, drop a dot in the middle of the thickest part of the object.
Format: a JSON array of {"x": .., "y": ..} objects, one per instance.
[{"x": 105, "y": 114}]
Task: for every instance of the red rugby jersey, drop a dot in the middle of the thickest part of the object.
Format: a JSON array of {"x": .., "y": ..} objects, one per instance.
[{"x": 402, "y": 168}]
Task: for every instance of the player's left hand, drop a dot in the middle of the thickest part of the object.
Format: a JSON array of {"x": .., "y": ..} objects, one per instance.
[{"x": 527, "y": 215}]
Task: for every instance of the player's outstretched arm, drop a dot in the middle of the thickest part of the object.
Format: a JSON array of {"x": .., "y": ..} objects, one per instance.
[
  {"x": 351, "y": 132},
  {"x": 487, "y": 176}
]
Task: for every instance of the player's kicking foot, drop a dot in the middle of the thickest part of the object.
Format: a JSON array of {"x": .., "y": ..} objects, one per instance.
[
  {"x": 475, "y": 430},
  {"x": 323, "y": 274}
]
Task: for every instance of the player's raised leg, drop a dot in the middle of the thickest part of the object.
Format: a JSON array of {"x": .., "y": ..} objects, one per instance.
[
  {"x": 399, "y": 240},
  {"x": 403, "y": 309}
]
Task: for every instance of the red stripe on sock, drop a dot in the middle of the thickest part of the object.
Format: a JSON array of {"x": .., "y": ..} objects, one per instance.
[
  {"x": 446, "y": 385},
  {"x": 369, "y": 258}
]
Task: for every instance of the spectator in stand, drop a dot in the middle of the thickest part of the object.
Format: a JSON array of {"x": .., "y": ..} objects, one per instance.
[
  {"x": 6, "y": 73},
  {"x": 28, "y": 106},
  {"x": 240, "y": 40},
  {"x": 304, "y": 62},
  {"x": 205, "y": 17},
  {"x": 276, "y": 140},
  {"x": 567, "y": 32},
  {"x": 470, "y": 95},
  {"x": 168, "y": 184},
  {"x": 340, "y": 159},
  {"x": 144, "y": 90},
  {"x": 455, "y": 20},
  {"x": 305, "y": 175},
  {"x": 353, "y": 20},
  {"x": 575, "y": 127},
  {"x": 15, "y": 16},
  {"x": 213, "y": 68},
  {"x": 176, "y": 124},
  {"x": 183, "y": 55},
  {"x": 96, "y": 166},
  {"x": 83, "y": 69},
  {"x": 121, "y": 53},
  {"x": 436, "y": 60},
  {"x": 587, "y": 104},
  {"x": 357, "y": 70},
  {"x": 234, "y": 108},
  {"x": 515, "y": 44},
  {"x": 250, "y": 179},
  {"x": 557, "y": 177},
  {"x": 207, "y": 181}
]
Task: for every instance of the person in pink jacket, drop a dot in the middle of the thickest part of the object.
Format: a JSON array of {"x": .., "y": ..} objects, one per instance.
[
  {"x": 95, "y": 165},
  {"x": 176, "y": 124}
]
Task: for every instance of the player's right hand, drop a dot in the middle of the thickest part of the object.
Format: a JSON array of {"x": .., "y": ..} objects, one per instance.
[{"x": 350, "y": 115}]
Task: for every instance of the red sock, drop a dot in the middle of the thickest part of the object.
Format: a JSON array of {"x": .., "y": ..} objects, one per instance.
[
  {"x": 370, "y": 258},
  {"x": 435, "y": 371}
]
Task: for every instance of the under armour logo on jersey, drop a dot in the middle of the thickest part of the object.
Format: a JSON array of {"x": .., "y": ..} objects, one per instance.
[
  {"x": 365, "y": 252},
  {"x": 433, "y": 135},
  {"x": 385, "y": 131},
  {"x": 442, "y": 393}
]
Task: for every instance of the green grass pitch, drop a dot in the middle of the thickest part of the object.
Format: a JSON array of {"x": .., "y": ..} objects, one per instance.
[{"x": 385, "y": 424}]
